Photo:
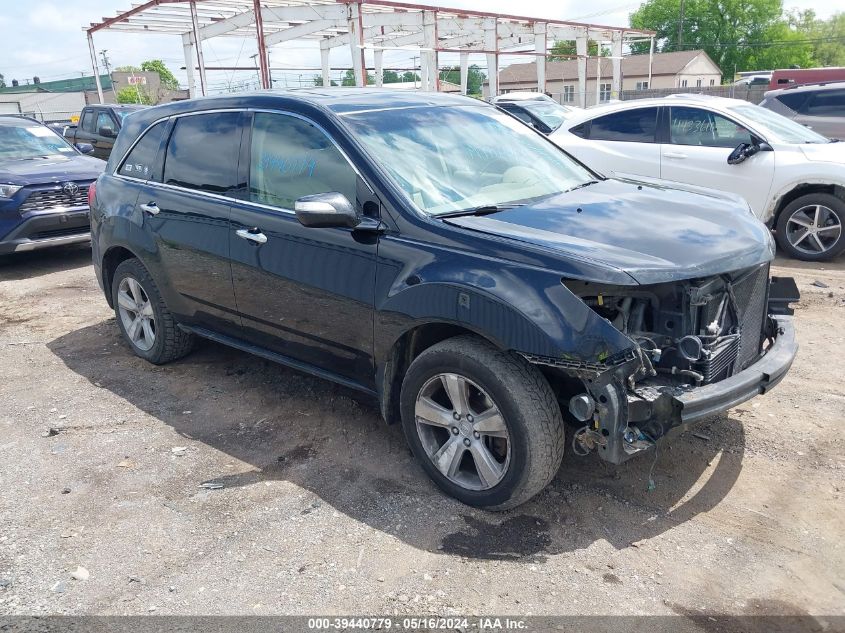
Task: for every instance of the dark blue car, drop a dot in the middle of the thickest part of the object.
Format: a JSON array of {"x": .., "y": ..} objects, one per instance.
[
  {"x": 43, "y": 187},
  {"x": 495, "y": 296}
]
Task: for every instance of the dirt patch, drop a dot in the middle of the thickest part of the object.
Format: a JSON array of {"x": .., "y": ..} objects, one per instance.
[{"x": 320, "y": 506}]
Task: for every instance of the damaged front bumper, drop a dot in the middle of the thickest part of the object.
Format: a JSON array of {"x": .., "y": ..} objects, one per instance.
[
  {"x": 623, "y": 417},
  {"x": 702, "y": 402}
]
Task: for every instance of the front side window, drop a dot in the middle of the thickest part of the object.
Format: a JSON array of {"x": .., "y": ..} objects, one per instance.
[
  {"x": 104, "y": 121},
  {"x": 633, "y": 126},
  {"x": 455, "y": 159},
  {"x": 141, "y": 161},
  {"x": 518, "y": 113},
  {"x": 693, "y": 126},
  {"x": 203, "y": 153},
  {"x": 291, "y": 158}
]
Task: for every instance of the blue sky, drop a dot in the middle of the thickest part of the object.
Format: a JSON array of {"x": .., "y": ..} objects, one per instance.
[{"x": 45, "y": 38}]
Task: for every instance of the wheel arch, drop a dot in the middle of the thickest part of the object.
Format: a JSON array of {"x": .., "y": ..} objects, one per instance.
[
  {"x": 408, "y": 346},
  {"x": 112, "y": 258},
  {"x": 803, "y": 189}
]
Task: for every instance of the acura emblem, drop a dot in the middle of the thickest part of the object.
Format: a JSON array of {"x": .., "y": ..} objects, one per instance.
[{"x": 70, "y": 189}]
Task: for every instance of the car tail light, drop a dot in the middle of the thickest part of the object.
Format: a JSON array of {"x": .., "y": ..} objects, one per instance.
[{"x": 92, "y": 191}]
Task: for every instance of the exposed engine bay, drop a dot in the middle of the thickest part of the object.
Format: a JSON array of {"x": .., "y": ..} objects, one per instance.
[
  {"x": 698, "y": 331},
  {"x": 690, "y": 337}
]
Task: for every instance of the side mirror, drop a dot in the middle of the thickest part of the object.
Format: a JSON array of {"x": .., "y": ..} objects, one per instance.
[
  {"x": 85, "y": 148},
  {"x": 747, "y": 150},
  {"x": 742, "y": 151},
  {"x": 325, "y": 210},
  {"x": 107, "y": 132}
]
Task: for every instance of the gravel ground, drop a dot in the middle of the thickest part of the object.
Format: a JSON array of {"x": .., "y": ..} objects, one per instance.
[{"x": 323, "y": 509}]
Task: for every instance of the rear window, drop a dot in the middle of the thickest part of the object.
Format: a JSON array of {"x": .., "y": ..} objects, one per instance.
[
  {"x": 633, "y": 126},
  {"x": 141, "y": 160},
  {"x": 203, "y": 153}
]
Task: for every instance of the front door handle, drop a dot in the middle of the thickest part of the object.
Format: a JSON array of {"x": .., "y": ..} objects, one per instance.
[
  {"x": 151, "y": 208},
  {"x": 253, "y": 235},
  {"x": 674, "y": 155}
]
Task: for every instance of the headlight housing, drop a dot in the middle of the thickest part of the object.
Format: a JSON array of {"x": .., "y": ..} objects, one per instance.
[{"x": 7, "y": 191}]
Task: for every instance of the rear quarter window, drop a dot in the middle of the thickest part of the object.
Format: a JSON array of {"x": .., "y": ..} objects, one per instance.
[
  {"x": 142, "y": 162},
  {"x": 793, "y": 100}
]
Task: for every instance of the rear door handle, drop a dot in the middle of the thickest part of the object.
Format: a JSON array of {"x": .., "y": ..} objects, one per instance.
[
  {"x": 151, "y": 208},
  {"x": 674, "y": 155},
  {"x": 253, "y": 235}
]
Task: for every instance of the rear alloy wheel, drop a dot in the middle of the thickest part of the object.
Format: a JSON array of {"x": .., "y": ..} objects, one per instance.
[
  {"x": 143, "y": 318},
  {"x": 483, "y": 423},
  {"x": 136, "y": 314},
  {"x": 811, "y": 227}
]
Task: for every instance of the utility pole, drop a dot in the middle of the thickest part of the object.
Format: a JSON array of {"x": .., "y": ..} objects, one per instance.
[
  {"x": 681, "y": 28},
  {"x": 106, "y": 61}
]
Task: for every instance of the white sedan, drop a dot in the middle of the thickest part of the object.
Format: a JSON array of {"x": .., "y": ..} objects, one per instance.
[{"x": 792, "y": 177}]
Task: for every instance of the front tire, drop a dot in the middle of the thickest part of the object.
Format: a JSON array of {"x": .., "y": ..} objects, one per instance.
[
  {"x": 484, "y": 423},
  {"x": 143, "y": 318},
  {"x": 811, "y": 227}
]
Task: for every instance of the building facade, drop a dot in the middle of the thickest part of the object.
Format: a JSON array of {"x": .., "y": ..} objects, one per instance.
[{"x": 682, "y": 69}]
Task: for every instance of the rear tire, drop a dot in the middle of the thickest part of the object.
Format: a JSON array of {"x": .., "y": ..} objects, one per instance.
[
  {"x": 508, "y": 412},
  {"x": 143, "y": 318},
  {"x": 807, "y": 227}
]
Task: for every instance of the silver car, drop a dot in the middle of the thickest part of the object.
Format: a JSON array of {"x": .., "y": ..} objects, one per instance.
[{"x": 818, "y": 106}]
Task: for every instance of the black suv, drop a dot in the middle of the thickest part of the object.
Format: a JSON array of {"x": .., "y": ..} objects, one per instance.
[{"x": 434, "y": 252}]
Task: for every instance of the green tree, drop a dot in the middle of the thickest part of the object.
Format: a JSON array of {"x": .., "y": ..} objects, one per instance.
[
  {"x": 2, "y": 81},
  {"x": 318, "y": 81},
  {"x": 730, "y": 31},
  {"x": 127, "y": 69},
  {"x": 475, "y": 78},
  {"x": 168, "y": 81},
  {"x": 133, "y": 94},
  {"x": 566, "y": 49},
  {"x": 349, "y": 79},
  {"x": 828, "y": 36}
]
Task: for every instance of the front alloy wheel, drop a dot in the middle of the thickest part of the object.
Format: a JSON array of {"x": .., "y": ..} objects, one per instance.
[
  {"x": 483, "y": 422},
  {"x": 462, "y": 432},
  {"x": 810, "y": 227}
]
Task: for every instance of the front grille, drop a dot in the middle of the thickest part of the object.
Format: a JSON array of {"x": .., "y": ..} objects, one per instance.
[
  {"x": 750, "y": 292},
  {"x": 46, "y": 199},
  {"x": 43, "y": 235}
]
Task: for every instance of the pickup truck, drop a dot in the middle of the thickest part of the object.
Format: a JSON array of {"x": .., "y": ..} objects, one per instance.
[{"x": 99, "y": 125}]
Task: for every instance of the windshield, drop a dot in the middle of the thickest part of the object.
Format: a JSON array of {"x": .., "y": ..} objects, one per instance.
[
  {"x": 450, "y": 159},
  {"x": 779, "y": 127},
  {"x": 124, "y": 112},
  {"x": 19, "y": 142},
  {"x": 548, "y": 112}
]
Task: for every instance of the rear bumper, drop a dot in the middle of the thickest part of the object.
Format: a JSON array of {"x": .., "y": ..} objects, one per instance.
[
  {"x": 47, "y": 229},
  {"x": 703, "y": 402}
]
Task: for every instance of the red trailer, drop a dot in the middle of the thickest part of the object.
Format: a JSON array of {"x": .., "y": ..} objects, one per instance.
[{"x": 786, "y": 77}]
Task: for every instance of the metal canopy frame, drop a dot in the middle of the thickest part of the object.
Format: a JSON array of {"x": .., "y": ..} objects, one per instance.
[{"x": 362, "y": 25}]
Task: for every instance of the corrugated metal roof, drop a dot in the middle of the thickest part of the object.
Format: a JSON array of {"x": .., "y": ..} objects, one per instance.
[{"x": 76, "y": 84}]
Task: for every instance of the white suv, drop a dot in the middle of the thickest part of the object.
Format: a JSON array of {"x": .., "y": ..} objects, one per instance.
[{"x": 792, "y": 177}]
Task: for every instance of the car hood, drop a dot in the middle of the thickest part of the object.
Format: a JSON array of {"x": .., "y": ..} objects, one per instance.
[
  {"x": 652, "y": 233},
  {"x": 48, "y": 170},
  {"x": 825, "y": 152}
]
